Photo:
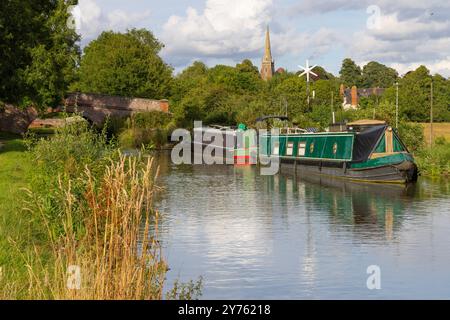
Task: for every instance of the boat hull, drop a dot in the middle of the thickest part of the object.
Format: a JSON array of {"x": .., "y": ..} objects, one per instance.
[{"x": 404, "y": 172}]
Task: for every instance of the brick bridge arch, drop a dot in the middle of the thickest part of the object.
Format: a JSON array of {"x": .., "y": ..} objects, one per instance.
[
  {"x": 93, "y": 107},
  {"x": 96, "y": 107}
]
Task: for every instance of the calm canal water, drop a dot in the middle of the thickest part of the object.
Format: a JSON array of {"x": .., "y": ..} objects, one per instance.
[{"x": 285, "y": 237}]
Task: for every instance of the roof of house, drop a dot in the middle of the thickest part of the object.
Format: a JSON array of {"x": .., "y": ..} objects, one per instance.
[{"x": 364, "y": 92}]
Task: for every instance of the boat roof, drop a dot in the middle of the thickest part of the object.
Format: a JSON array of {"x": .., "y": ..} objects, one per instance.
[
  {"x": 283, "y": 118},
  {"x": 367, "y": 122}
]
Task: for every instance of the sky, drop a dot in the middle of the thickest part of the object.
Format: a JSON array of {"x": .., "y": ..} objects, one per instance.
[{"x": 402, "y": 34}]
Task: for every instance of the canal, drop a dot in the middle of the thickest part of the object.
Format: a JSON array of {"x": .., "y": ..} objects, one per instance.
[{"x": 286, "y": 237}]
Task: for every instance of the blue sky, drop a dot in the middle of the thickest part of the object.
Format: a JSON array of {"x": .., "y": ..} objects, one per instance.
[{"x": 403, "y": 34}]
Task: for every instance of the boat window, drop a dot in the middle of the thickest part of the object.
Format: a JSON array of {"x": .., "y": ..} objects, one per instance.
[
  {"x": 276, "y": 148},
  {"x": 301, "y": 149},
  {"x": 290, "y": 149},
  {"x": 335, "y": 148},
  {"x": 398, "y": 147}
]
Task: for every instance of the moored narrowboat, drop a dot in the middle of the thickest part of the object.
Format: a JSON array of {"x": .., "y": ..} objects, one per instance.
[
  {"x": 368, "y": 151},
  {"x": 237, "y": 145}
]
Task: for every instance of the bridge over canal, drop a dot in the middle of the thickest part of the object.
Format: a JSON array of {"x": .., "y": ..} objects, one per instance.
[{"x": 93, "y": 107}]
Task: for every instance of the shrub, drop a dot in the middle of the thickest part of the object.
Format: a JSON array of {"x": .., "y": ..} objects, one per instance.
[
  {"x": 61, "y": 160},
  {"x": 117, "y": 253},
  {"x": 147, "y": 139},
  {"x": 412, "y": 135},
  {"x": 435, "y": 161},
  {"x": 90, "y": 207},
  {"x": 146, "y": 130},
  {"x": 440, "y": 141},
  {"x": 150, "y": 120}
]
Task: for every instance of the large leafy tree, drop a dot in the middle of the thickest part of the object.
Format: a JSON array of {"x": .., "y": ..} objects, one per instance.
[
  {"x": 324, "y": 91},
  {"x": 221, "y": 95},
  {"x": 377, "y": 75},
  {"x": 292, "y": 92},
  {"x": 190, "y": 78},
  {"x": 441, "y": 101},
  {"x": 125, "y": 64},
  {"x": 415, "y": 96},
  {"x": 38, "y": 51},
  {"x": 248, "y": 77},
  {"x": 229, "y": 95},
  {"x": 242, "y": 78},
  {"x": 350, "y": 73}
]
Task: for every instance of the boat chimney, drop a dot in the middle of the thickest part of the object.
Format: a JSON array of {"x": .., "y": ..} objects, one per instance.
[{"x": 354, "y": 96}]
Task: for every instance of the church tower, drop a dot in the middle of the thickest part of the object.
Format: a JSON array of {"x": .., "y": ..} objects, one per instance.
[{"x": 268, "y": 66}]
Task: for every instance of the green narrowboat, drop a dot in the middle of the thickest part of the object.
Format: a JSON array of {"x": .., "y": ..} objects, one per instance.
[{"x": 368, "y": 151}]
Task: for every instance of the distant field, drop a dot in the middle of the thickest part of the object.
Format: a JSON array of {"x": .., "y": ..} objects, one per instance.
[{"x": 439, "y": 130}]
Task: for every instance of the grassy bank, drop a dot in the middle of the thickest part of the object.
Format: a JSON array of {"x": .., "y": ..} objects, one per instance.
[
  {"x": 434, "y": 160},
  {"x": 15, "y": 166},
  {"x": 73, "y": 201}
]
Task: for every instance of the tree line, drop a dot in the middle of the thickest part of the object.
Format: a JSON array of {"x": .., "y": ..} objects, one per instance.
[{"x": 41, "y": 61}]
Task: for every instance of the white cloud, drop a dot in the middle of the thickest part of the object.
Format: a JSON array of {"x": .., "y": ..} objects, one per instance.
[
  {"x": 224, "y": 29},
  {"x": 441, "y": 67},
  {"x": 317, "y": 43},
  {"x": 231, "y": 30},
  {"x": 405, "y": 7},
  {"x": 87, "y": 15},
  {"x": 392, "y": 28},
  {"x": 409, "y": 33},
  {"x": 119, "y": 20},
  {"x": 91, "y": 20},
  {"x": 405, "y": 43}
]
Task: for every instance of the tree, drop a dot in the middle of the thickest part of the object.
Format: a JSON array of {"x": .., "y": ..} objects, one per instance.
[
  {"x": 38, "y": 51},
  {"x": 246, "y": 66},
  {"x": 323, "y": 74},
  {"x": 292, "y": 91},
  {"x": 414, "y": 97},
  {"x": 248, "y": 77},
  {"x": 350, "y": 73},
  {"x": 323, "y": 92},
  {"x": 441, "y": 101},
  {"x": 125, "y": 64},
  {"x": 377, "y": 75},
  {"x": 190, "y": 78},
  {"x": 215, "y": 95}
]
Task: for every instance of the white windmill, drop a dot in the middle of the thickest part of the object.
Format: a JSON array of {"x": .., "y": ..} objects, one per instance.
[{"x": 308, "y": 71}]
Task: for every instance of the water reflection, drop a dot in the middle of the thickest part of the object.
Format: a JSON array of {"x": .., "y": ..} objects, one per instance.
[{"x": 287, "y": 236}]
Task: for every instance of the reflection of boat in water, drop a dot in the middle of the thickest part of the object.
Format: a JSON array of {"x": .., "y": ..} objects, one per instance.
[
  {"x": 367, "y": 208},
  {"x": 367, "y": 151},
  {"x": 390, "y": 191}
]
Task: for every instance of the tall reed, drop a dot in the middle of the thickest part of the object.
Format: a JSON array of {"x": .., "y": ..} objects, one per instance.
[{"x": 115, "y": 254}]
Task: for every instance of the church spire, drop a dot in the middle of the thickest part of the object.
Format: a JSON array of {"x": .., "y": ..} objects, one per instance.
[
  {"x": 268, "y": 67},
  {"x": 267, "y": 51}
]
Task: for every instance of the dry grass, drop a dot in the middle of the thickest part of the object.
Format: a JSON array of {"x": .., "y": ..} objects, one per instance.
[
  {"x": 116, "y": 251},
  {"x": 439, "y": 130}
]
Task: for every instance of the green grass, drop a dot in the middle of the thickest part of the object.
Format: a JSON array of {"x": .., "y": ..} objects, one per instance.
[
  {"x": 435, "y": 161},
  {"x": 82, "y": 189},
  {"x": 14, "y": 169}
]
